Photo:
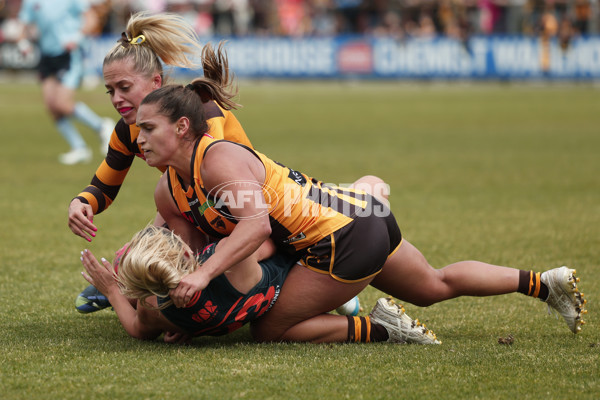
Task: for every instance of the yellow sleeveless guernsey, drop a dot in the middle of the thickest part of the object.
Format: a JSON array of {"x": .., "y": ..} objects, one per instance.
[{"x": 301, "y": 210}]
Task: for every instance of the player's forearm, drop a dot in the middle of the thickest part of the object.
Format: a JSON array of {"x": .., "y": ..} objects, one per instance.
[
  {"x": 245, "y": 239},
  {"x": 128, "y": 317}
]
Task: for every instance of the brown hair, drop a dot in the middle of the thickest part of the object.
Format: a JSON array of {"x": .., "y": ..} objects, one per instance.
[{"x": 176, "y": 101}]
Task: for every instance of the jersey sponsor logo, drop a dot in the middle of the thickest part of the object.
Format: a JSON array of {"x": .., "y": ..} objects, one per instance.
[
  {"x": 243, "y": 194},
  {"x": 299, "y": 236},
  {"x": 297, "y": 177},
  {"x": 275, "y": 297},
  {"x": 205, "y": 314}
]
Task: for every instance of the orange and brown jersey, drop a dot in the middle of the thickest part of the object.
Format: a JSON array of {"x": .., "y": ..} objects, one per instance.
[
  {"x": 123, "y": 149},
  {"x": 301, "y": 210}
]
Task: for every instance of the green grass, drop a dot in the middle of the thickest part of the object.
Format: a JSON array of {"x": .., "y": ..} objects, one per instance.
[{"x": 504, "y": 174}]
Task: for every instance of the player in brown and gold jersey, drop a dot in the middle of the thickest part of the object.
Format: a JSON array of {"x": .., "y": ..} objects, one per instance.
[
  {"x": 132, "y": 69},
  {"x": 346, "y": 238}
]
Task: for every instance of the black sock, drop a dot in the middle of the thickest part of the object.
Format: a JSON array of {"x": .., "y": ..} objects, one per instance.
[
  {"x": 530, "y": 284},
  {"x": 362, "y": 330}
]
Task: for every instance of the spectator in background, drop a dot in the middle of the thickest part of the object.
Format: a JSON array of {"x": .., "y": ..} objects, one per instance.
[
  {"x": 323, "y": 19},
  {"x": 514, "y": 16},
  {"x": 59, "y": 25},
  {"x": 583, "y": 14},
  {"x": 458, "y": 19},
  {"x": 293, "y": 18},
  {"x": 548, "y": 29},
  {"x": 262, "y": 16},
  {"x": 349, "y": 11},
  {"x": 95, "y": 26}
]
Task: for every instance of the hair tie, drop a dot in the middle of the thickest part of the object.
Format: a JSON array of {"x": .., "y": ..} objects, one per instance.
[
  {"x": 138, "y": 39},
  {"x": 124, "y": 40}
]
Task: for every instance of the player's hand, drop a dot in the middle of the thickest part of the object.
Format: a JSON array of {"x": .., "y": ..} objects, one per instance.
[
  {"x": 177, "y": 338},
  {"x": 81, "y": 218},
  {"x": 187, "y": 287},
  {"x": 101, "y": 275}
]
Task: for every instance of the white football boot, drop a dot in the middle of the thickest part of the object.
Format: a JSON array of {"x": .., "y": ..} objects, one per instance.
[
  {"x": 564, "y": 296},
  {"x": 401, "y": 328},
  {"x": 76, "y": 156},
  {"x": 108, "y": 125}
]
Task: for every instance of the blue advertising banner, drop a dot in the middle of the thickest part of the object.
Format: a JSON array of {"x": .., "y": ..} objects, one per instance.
[{"x": 479, "y": 58}]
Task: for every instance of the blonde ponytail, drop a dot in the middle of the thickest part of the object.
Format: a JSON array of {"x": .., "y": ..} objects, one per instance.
[{"x": 167, "y": 38}]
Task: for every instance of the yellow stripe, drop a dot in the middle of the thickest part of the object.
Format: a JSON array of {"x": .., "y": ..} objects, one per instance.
[
  {"x": 538, "y": 285},
  {"x": 337, "y": 278},
  {"x": 92, "y": 201},
  {"x": 301, "y": 262},
  {"x": 396, "y": 249},
  {"x": 349, "y": 199},
  {"x": 357, "y": 329},
  {"x": 530, "y": 282},
  {"x": 368, "y": 320},
  {"x": 332, "y": 254}
]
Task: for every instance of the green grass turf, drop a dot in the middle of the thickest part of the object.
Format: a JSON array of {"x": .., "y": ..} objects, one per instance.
[{"x": 504, "y": 174}]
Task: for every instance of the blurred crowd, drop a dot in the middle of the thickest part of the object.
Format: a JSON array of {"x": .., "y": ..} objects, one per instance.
[{"x": 392, "y": 18}]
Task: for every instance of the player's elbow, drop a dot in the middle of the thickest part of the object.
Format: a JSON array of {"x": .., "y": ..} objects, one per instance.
[
  {"x": 262, "y": 230},
  {"x": 143, "y": 335},
  {"x": 142, "y": 331}
]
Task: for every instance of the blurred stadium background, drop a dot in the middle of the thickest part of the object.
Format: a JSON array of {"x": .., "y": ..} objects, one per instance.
[{"x": 377, "y": 39}]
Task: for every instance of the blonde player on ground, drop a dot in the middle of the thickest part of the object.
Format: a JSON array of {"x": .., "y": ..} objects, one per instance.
[{"x": 156, "y": 261}]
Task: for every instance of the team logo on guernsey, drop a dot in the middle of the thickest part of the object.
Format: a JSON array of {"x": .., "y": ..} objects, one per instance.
[{"x": 243, "y": 194}]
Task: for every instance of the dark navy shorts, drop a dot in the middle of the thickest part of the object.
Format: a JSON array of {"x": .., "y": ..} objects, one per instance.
[{"x": 358, "y": 250}]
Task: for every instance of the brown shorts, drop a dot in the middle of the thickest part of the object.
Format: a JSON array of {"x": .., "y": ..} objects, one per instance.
[{"x": 358, "y": 250}]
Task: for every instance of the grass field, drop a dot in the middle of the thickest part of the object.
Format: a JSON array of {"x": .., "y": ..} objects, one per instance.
[{"x": 504, "y": 174}]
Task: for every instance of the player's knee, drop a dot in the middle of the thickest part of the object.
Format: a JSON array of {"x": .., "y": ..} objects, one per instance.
[
  {"x": 430, "y": 289},
  {"x": 435, "y": 289},
  {"x": 373, "y": 185},
  {"x": 57, "y": 111}
]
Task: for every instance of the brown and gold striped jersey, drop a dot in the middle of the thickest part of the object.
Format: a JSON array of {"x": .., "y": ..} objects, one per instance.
[{"x": 123, "y": 149}]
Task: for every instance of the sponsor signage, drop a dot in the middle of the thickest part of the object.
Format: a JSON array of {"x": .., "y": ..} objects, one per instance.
[{"x": 493, "y": 57}]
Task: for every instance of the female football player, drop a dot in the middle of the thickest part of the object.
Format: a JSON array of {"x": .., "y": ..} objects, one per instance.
[
  {"x": 60, "y": 26},
  {"x": 157, "y": 259},
  {"x": 219, "y": 188},
  {"x": 131, "y": 70}
]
